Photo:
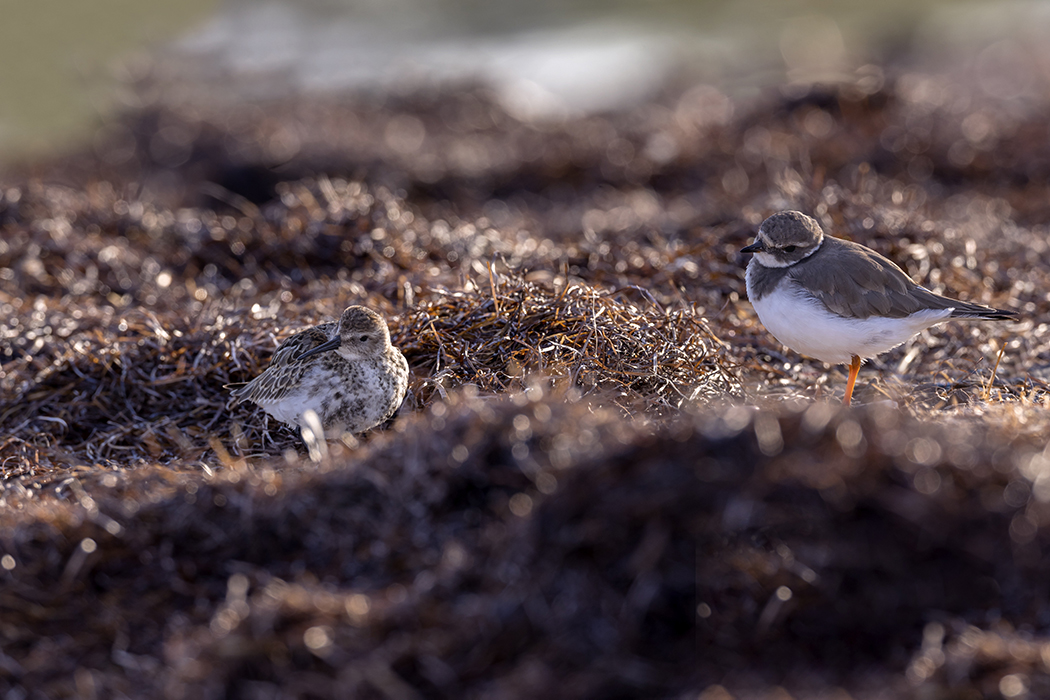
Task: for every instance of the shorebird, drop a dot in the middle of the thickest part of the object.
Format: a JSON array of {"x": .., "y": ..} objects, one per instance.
[
  {"x": 838, "y": 301},
  {"x": 347, "y": 373}
]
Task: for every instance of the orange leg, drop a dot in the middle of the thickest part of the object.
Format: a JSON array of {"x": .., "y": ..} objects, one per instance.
[{"x": 854, "y": 370}]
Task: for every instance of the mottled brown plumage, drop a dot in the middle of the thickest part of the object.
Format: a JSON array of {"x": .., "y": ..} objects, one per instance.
[{"x": 348, "y": 373}]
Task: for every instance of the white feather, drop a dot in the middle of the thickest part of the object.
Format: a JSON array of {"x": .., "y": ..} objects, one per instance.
[{"x": 800, "y": 321}]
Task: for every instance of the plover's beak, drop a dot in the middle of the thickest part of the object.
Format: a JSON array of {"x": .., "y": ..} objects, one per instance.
[
  {"x": 755, "y": 247},
  {"x": 323, "y": 347}
]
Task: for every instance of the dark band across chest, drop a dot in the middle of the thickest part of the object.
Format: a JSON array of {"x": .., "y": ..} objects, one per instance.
[{"x": 765, "y": 279}]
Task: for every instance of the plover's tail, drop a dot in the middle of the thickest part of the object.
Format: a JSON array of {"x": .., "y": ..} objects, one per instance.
[{"x": 963, "y": 309}]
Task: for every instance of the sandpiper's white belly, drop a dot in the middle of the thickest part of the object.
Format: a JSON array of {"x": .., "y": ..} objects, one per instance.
[
  {"x": 341, "y": 402},
  {"x": 800, "y": 321},
  {"x": 291, "y": 408}
]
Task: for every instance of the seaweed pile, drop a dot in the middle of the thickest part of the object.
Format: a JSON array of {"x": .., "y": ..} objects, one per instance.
[
  {"x": 607, "y": 480},
  {"x": 153, "y": 390},
  {"x": 481, "y": 549}
]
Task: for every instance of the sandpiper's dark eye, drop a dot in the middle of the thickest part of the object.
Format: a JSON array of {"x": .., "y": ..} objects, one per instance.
[
  {"x": 363, "y": 339},
  {"x": 789, "y": 249}
]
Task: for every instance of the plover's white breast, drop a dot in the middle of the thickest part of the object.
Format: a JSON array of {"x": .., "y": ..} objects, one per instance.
[{"x": 800, "y": 321}]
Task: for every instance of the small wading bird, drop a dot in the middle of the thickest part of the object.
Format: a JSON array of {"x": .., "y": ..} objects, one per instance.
[
  {"x": 347, "y": 373},
  {"x": 839, "y": 301}
]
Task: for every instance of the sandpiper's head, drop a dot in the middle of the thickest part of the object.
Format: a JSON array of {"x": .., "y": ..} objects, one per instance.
[
  {"x": 785, "y": 238},
  {"x": 362, "y": 333}
]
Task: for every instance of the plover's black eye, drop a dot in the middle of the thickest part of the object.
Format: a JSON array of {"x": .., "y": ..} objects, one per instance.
[
  {"x": 363, "y": 339},
  {"x": 789, "y": 248}
]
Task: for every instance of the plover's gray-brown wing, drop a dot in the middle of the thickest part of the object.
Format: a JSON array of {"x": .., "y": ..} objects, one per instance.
[
  {"x": 856, "y": 282},
  {"x": 285, "y": 370}
]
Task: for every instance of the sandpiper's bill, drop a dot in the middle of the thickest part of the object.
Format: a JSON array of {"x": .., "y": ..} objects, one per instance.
[
  {"x": 838, "y": 301},
  {"x": 347, "y": 373}
]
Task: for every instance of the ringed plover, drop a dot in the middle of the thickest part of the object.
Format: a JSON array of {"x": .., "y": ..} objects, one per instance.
[{"x": 836, "y": 300}]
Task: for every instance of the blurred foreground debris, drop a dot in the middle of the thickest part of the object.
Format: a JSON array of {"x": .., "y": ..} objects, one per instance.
[{"x": 511, "y": 548}]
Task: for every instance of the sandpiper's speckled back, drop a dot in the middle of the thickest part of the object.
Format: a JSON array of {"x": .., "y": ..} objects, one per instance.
[{"x": 348, "y": 373}]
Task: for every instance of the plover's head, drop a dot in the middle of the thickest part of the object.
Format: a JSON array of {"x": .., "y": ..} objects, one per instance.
[
  {"x": 785, "y": 238},
  {"x": 362, "y": 333}
]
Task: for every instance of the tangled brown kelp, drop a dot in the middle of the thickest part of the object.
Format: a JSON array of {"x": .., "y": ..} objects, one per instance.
[
  {"x": 514, "y": 532},
  {"x": 500, "y": 548},
  {"x": 147, "y": 387},
  {"x": 642, "y": 359}
]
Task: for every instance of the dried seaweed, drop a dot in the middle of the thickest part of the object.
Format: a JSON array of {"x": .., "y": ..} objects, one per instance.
[
  {"x": 482, "y": 548},
  {"x": 154, "y": 391},
  {"x": 649, "y": 360},
  {"x": 574, "y": 501}
]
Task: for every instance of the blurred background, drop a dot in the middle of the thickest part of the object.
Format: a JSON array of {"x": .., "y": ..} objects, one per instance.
[{"x": 68, "y": 65}]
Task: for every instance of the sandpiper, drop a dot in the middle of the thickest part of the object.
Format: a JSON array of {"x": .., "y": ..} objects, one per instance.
[
  {"x": 838, "y": 301},
  {"x": 347, "y": 373}
]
